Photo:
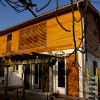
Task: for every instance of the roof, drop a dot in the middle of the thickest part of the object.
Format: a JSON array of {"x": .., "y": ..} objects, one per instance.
[{"x": 50, "y": 14}]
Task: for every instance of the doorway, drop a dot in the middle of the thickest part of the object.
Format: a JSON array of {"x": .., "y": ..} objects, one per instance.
[{"x": 27, "y": 79}]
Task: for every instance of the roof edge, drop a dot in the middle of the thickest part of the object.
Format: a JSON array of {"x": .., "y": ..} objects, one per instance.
[{"x": 45, "y": 16}]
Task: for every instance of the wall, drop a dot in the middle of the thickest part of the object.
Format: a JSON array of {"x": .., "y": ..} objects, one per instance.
[
  {"x": 93, "y": 37},
  {"x": 59, "y": 39},
  {"x": 89, "y": 63},
  {"x": 15, "y": 77},
  {"x": 62, "y": 90},
  {"x": 15, "y": 41},
  {"x": 3, "y": 42},
  {"x": 56, "y": 37}
]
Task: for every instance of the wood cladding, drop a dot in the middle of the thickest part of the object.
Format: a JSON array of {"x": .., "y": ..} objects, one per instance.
[
  {"x": 46, "y": 36},
  {"x": 32, "y": 37},
  {"x": 58, "y": 37},
  {"x": 3, "y": 44},
  {"x": 92, "y": 32},
  {"x": 15, "y": 41},
  {"x": 8, "y": 46}
]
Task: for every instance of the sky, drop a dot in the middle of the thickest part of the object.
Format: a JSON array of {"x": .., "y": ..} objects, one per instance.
[{"x": 9, "y": 17}]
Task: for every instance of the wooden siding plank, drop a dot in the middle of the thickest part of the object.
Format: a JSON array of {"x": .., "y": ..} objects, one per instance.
[
  {"x": 56, "y": 37},
  {"x": 92, "y": 33},
  {"x": 15, "y": 41},
  {"x": 3, "y": 44}
]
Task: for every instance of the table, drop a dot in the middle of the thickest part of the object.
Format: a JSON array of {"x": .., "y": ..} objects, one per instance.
[{"x": 12, "y": 88}]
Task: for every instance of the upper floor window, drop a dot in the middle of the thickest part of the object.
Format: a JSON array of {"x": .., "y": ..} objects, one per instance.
[{"x": 9, "y": 37}]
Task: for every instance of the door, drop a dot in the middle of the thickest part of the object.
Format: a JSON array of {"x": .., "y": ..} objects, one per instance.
[
  {"x": 45, "y": 78},
  {"x": 38, "y": 76},
  {"x": 9, "y": 39},
  {"x": 72, "y": 77},
  {"x": 60, "y": 78},
  {"x": 27, "y": 80}
]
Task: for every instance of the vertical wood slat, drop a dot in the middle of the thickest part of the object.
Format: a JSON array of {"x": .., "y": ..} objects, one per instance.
[
  {"x": 96, "y": 80},
  {"x": 87, "y": 80}
]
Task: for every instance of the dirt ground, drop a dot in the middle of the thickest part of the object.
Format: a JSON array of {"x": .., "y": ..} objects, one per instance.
[{"x": 33, "y": 96}]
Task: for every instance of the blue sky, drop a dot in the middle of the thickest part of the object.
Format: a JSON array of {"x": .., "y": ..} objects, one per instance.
[{"x": 9, "y": 17}]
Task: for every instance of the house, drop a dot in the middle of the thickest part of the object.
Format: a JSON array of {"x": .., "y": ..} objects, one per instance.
[{"x": 37, "y": 50}]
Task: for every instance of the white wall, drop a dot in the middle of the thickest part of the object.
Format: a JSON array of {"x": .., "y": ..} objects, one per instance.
[
  {"x": 90, "y": 60},
  {"x": 15, "y": 78},
  {"x": 55, "y": 74}
]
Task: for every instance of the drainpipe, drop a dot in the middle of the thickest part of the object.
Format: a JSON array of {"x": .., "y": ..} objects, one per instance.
[
  {"x": 84, "y": 48},
  {"x": 84, "y": 59},
  {"x": 84, "y": 55}
]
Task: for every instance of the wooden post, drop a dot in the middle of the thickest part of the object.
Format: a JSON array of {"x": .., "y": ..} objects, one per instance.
[{"x": 96, "y": 80}]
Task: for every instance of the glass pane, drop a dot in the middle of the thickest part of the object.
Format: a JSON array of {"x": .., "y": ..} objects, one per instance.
[{"x": 61, "y": 73}]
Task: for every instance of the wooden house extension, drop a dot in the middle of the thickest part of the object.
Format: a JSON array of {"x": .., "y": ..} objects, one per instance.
[{"x": 37, "y": 50}]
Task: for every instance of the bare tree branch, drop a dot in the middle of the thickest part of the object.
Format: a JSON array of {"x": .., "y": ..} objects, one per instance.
[
  {"x": 58, "y": 19},
  {"x": 17, "y": 10},
  {"x": 2, "y": 3},
  {"x": 20, "y": 5},
  {"x": 38, "y": 10},
  {"x": 73, "y": 30}
]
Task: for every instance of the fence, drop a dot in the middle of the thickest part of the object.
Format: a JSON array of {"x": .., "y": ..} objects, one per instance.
[{"x": 92, "y": 84}]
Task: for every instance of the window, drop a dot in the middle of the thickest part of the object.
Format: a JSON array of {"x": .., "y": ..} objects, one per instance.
[
  {"x": 1, "y": 71},
  {"x": 94, "y": 67},
  {"x": 61, "y": 73},
  {"x": 9, "y": 37}
]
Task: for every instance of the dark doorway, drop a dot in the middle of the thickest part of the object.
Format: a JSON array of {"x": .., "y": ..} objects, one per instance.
[
  {"x": 94, "y": 67},
  {"x": 38, "y": 76},
  {"x": 45, "y": 86},
  {"x": 1, "y": 71},
  {"x": 61, "y": 73},
  {"x": 27, "y": 76}
]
